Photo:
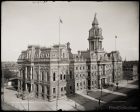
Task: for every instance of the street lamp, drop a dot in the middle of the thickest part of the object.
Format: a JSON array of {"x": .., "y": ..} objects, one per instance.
[
  {"x": 117, "y": 64},
  {"x": 101, "y": 87},
  {"x": 3, "y": 85},
  {"x": 99, "y": 101}
]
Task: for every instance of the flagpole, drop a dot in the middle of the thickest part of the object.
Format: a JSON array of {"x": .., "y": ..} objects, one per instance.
[
  {"x": 58, "y": 67},
  {"x": 115, "y": 42}
]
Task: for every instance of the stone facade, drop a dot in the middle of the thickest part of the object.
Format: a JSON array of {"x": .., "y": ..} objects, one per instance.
[{"x": 56, "y": 72}]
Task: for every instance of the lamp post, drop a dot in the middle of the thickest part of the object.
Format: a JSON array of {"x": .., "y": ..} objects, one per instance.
[
  {"x": 116, "y": 64},
  {"x": 101, "y": 87},
  {"x": 3, "y": 85}
]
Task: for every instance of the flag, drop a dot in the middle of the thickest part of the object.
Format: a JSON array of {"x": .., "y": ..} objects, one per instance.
[{"x": 61, "y": 21}]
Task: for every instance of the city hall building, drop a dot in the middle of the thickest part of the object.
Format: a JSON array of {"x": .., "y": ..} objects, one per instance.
[{"x": 55, "y": 72}]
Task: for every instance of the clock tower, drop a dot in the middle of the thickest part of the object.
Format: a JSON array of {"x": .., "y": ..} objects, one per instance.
[{"x": 95, "y": 36}]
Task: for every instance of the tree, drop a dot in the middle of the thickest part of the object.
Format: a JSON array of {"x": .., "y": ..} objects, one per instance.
[{"x": 8, "y": 74}]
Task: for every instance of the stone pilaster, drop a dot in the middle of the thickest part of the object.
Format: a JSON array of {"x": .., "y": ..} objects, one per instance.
[
  {"x": 39, "y": 91},
  {"x": 25, "y": 72},
  {"x": 26, "y": 87},
  {"x": 45, "y": 92},
  {"x": 39, "y": 73},
  {"x": 31, "y": 73},
  {"x": 50, "y": 93},
  {"x": 19, "y": 85}
]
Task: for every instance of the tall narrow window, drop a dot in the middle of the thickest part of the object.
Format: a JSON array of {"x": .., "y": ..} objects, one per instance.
[
  {"x": 42, "y": 76},
  {"x": 77, "y": 84},
  {"x": 60, "y": 76},
  {"x": 47, "y": 76},
  {"x": 53, "y": 90},
  {"x": 61, "y": 88},
  {"x": 63, "y": 55},
  {"x": 37, "y": 75},
  {"x": 70, "y": 87},
  {"x": 65, "y": 88},
  {"x": 70, "y": 74},
  {"x": 42, "y": 89},
  {"x": 80, "y": 83},
  {"x": 54, "y": 76},
  {"x": 64, "y": 76}
]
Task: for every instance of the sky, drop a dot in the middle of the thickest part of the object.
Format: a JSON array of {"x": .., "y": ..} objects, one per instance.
[{"x": 37, "y": 23}]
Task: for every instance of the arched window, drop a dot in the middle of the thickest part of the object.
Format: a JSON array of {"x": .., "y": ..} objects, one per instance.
[{"x": 42, "y": 75}]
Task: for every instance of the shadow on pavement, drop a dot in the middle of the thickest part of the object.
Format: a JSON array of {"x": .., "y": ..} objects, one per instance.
[
  {"x": 135, "y": 82},
  {"x": 120, "y": 89},
  {"x": 131, "y": 100},
  {"x": 105, "y": 96},
  {"x": 11, "y": 88},
  {"x": 7, "y": 107},
  {"x": 88, "y": 104}
]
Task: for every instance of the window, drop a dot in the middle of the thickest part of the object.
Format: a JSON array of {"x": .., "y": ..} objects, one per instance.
[
  {"x": 84, "y": 82},
  {"x": 42, "y": 76},
  {"x": 88, "y": 74},
  {"x": 37, "y": 75},
  {"x": 70, "y": 87},
  {"x": 63, "y": 55},
  {"x": 47, "y": 76},
  {"x": 80, "y": 83},
  {"x": 94, "y": 66},
  {"x": 77, "y": 84},
  {"x": 71, "y": 74},
  {"x": 76, "y": 68},
  {"x": 64, "y": 76},
  {"x": 53, "y": 90},
  {"x": 54, "y": 76},
  {"x": 61, "y": 77},
  {"x": 61, "y": 88},
  {"x": 42, "y": 89},
  {"x": 65, "y": 88},
  {"x": 80, "y": 68},
  {"x": 83, "y": 67}
]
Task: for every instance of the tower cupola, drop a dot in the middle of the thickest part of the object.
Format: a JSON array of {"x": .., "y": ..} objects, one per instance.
[{"x": 95, "y": 36}]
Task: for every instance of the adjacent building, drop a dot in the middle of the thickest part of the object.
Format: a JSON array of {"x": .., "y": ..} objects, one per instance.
[
  {"x": 130, "y": 70},
  {"x": 11, "y": 66},
  {"x": 55, "y": 72}
]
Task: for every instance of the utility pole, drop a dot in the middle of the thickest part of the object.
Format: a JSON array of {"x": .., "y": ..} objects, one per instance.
[
  {"x": 116, "y": 64},
  {"x": 3, "y": 85}
]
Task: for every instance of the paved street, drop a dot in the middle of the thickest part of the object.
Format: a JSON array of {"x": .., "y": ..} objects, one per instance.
[
  {"x": 124, "y": 95},
  {"x": 7, "y": 107}
]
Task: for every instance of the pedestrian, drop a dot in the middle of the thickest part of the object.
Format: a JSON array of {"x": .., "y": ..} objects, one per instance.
[{"x": 75, "y": 105}]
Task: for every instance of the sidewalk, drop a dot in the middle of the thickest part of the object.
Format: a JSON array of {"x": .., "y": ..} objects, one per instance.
[
  {"x": 35, "y": 104},
  {"x": 113, "y": 92},
  {"x": 127, "y": 84}
]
